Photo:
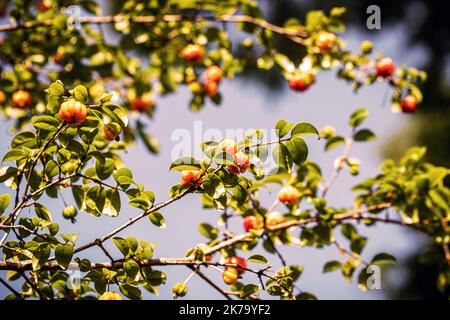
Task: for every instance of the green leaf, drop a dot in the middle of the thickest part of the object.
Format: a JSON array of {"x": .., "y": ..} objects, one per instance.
[
  {"x": 4, "y": 202},
  {"x": 257, "y": 258},
  {"x": 304, "y": 128},
  {"x": 357, "y": 117},
  {"x": 122, "y": 245},
  {"x": 248, "y": 290},
  {"x": 157, "y": 219},
  {"x": 282, "y": 128},
  {"x": 383, "y": 259},
  {"x": 63, "y": 254},
  {"x": 80, "y": 93},
  {"x": 131, "y": 292},
  {"x": 364, "y": 135},
  {"x": 298, "y": 150},
  {"x": 208, "y": 231},
  {"x": 334, "y": 142},
  {"x": 46, "y": 123},
  {"x": 15, "y": 155},
  {"x": 185, "y": 163},
  {"x": 131, "y": 268},
  {"x": 224, "y": 158},
  {"x": 331, "y": 266}
]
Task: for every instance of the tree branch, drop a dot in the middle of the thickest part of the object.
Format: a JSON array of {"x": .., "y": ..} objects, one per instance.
[{"x": 295, "y": 35}]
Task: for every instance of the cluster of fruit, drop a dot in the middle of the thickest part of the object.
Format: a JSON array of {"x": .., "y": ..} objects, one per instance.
[{"x": 241, "y": 164}]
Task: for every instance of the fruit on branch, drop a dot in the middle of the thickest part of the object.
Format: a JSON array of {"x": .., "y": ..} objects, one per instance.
[
  {"x": 274, "y": 218},
  {"x": 240, "y": 263},
  {"x": 211, "y": 88},
  {"x": 44, "y": 5},
  {"x": 193, "y": 53},
  {"x": 328, "y": 132},
  {"x": 409, "y": 104},
  {"x": 288, "y": 195},
  {"x": 384, "y": 67},
  {"x": 325, "y": 41},
  {"x": 366, "y": 47},
  {"x": 230, "y": 276},
  {"x": 70, "y": 212},
  {"x": 242, "y": 163},
  {"x": 301, "y": 81},
  {"x": 109, "y": 295},
  {"x": 21, "y": 99},
  {"x": 111, "y": 131},
  {"x": 73, "y": 112},
  {"x": 228, "y": 146},
  {"x": 191, "y": 177},
  {"x": 252, "y": 223},
  {"x": 179, "y": 290},
  {"x": 143, "y": 103},
  {"x": 213, "y": 73},
  {"x": 2, "y": 98}
]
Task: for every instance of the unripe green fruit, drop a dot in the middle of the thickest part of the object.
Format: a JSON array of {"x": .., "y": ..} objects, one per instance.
[
  {"x": 70, "y": 212},
  {"x": 179, "y": 290},
  {"x": 366, "y": 47},
  {"x": 354, "y": 170}
]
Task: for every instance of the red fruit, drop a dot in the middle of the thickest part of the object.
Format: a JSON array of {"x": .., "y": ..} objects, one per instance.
[
  {"x": 409, "y": 104},
  {"x": 228, "y": 146},
  {"x": 73, "y": 112},
  {"x": 251, "y": 223},
  {"x": 325, "y": 41},
  {"x": 211, "y": 88},
  {"x": 193, "y": 53},
  {"x": 242, "y": 163},
  {"x": 239, "y": 262},
  {"x": 21, "y": 99},
  {"x": 213, "y": 73},
  {"x": 44, "y": 5},
  {"x": 385, "y": 67},
  {"x": 192, "y": 177},
  {"x": 301, "y": 81},
  {"x": 288, "y": 195},
  {"x": 2, "y": 97},
  {"x": 274, "y": 218},
  {"x": 142, "y": 104},
  {"x": 110, "y": 131},
  {"x": 230, "y": 276}
]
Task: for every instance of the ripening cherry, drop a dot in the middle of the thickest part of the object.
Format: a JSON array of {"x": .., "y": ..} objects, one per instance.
[
  {"x": 2, "y": 97},
  {"x": 73, "y": 112},
  {"x": 288, "y": 195},
  {"x": 301, "y": 81},
  {"x": 230, "y": 276},
  {"x": 21, "y": 99},
  {"x": 228, "y": 146},
  {"x": 111, "y": 131},
  {"x": 109, "y": 295},
  {"x": 213, "y": 73},
  {"x": 211, "y": 88},
  {"x": 193, "y": 53},
  {"x": 241, "y": 263},
  {"x": 385, "y": 67},
  {"x": 325, "y": 41},
  {"x": 191, "y": 177},
  {"x": 252, "y": 223},
  {"x": 274, "y": 218},
  {"x": 242, "y": 163},
  {"x": 44, "y": 5},
  {"x": 409, "y": 104},
  {"x": 142, "y": 103}
]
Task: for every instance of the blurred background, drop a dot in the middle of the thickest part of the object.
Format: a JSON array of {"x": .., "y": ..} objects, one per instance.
[{"x": 413, "y": 32}]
